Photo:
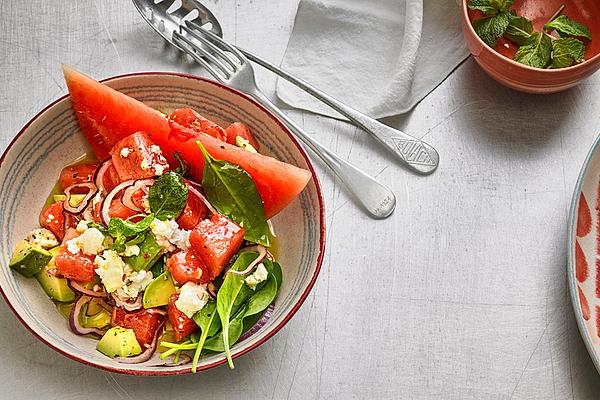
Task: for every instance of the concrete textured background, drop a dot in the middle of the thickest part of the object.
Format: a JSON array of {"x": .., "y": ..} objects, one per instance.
[{"x": 461, "y": 294}]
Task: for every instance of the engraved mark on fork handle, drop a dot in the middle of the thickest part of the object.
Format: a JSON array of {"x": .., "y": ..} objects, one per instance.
[{"x": 413, "y": 151}]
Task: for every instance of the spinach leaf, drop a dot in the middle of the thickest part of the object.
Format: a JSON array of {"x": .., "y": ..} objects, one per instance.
[
  {"x": 228, "y": 292},
  {"x": 274, "y": 268},
  {"x": 235, "y": 329},
  {"x": 233, "y": 193},
  {"x": 121, "y": 230},
  {"x": 209, "y": 325},
  {"x": 251, "y": 320},
  {"x": 260, "y": 300},
  {"x": 168, "y": 196}
]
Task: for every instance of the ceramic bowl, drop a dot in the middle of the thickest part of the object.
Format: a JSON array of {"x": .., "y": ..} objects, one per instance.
[
  {"x": 584, "y": 252},
  {"x": 498, "y": 62},
  {"x": 51, "y": 140}
]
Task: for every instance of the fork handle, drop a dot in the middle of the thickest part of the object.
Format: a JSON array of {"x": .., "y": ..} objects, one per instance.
[
  {"x": 377, "y": 199},
  {"x": 414, "y": 153}
]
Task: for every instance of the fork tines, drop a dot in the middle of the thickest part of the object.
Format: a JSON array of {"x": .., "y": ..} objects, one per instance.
[{"x": 209, "y": 50}]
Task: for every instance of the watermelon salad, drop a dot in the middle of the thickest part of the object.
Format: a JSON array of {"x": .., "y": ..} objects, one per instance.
[{"x": 163, "y": 244}]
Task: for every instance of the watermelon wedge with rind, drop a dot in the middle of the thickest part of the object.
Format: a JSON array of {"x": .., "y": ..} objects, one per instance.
[{"x": 106, "y": 116}]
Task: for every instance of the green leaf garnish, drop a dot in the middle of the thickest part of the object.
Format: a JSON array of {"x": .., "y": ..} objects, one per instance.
[
  {"x": 567, "y": 52},
  {"x": 492, "y": 28},
  {"x": 209, "y": 323},
  {"x": 121, "y": 230},
  {"x": 535, "y": 51},
  {"x": 168, "y": 196},
  {"x": 490, "y": 7},
  {"x": 233, "y": 193},
  {"x": 519, "y": 29},
  {"x": 228, "y": 292},
  {"x": 566, "y": 26}
]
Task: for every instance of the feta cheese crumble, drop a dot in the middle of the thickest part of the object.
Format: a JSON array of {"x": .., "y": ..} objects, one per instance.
[
  {"x": 259, "y": 275},
  {"x": 90, "y": 242},
  {"x": 144, "y": 164},
  {"x": 169, "y": 236},
  {"x": 159, "y": 169},
  {"x": 82, "y": 226},
  {"x": 111, "y": 270},
  {"x": 42, "y": 237},
  {"x": 125, "y": 151},
  {"x": 192, "y": 298},
  {"x": 134, "y": 283},
  {"x": 131, "y": 250}
]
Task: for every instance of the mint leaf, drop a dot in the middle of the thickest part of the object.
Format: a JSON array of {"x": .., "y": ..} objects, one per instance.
[
  {"x": 168, "y": 196},
  {"x": 535, "y": 51},
  {"x": 233, "y": 193},
  {"x": 566, "y": 26},
  {"x": 121, "y": 230},
  {"x": 490, "y": 29},
  {"x": 567, "y": 52},
  {"x": 519, "y": 29},
  {"x": 490, "y": 7}
]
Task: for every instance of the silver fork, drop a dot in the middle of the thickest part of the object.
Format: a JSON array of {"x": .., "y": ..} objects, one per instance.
[
  {"x": 166, "y": 17},
  {"x": 229, "y": 66}
]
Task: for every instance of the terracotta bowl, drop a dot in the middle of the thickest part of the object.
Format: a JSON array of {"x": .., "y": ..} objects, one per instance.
[
  {"x": 498, "y": 62},
  {"x": 52, "y": 139}
]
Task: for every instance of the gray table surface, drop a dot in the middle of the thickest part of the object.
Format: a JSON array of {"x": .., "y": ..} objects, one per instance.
[{"x": 461, "y": 294}]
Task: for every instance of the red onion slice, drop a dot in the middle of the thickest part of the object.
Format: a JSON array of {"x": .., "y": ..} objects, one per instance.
[
  {"x": 262, "y": 253},
  {"x": 156, "y": 311},
  {"x": 92, "y": 293},
  {"x": 84, "y": 203},
  {"x": 139, "y": 184},
  {"x": 99, "y": 175},
  {"x": 259, "y": 324},
  {"x": 74, "y": 323},
  {"x": 109, "y": 198},
  {"x": 146, "y": 354},
  {"x": 197, "y": 193}
]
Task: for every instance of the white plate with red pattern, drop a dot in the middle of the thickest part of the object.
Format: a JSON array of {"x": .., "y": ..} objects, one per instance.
[{"x": 584, "y": 252}]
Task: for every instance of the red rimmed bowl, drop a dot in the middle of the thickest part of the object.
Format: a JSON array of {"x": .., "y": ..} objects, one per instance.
[
  {"x": 498, "y": 62},
  {"x": 52, "y": 139},
  {"x": 583, "y": 268}
]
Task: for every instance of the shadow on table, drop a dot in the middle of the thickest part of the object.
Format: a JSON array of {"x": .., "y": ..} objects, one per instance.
[{"x": 510, "y": 121}]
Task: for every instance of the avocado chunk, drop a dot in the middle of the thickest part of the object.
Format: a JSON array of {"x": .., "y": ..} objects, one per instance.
[
  {"x": 98, "y": 320},
  {"x": 159, "y": 291},
  {"x": 150, "y": 251},
  {"x": 29, "y": 259},
  {"x": 119, "y": 342},
  {"x": 56, "y": 288}
]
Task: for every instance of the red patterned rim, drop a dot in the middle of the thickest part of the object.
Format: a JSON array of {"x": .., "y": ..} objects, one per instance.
[
  {"x": 288, "y": 315},
  {"x": 572, "y": 273}
]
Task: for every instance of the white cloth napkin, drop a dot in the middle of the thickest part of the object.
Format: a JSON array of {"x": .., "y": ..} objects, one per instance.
[{"x": 381, "y": 57}]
